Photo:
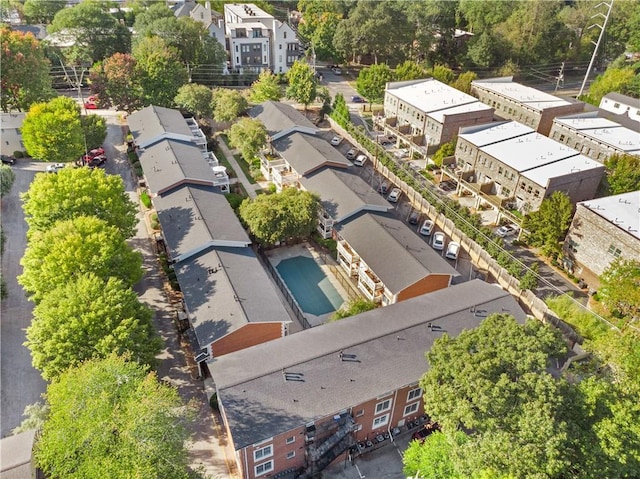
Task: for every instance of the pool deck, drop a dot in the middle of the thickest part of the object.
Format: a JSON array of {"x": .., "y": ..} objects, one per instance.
[{"x": 305, "y": 249}]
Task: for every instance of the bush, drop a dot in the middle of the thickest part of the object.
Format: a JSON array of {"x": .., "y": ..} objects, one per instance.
[
  {"x": 587, "y": 324},
  {"x": 138, "y": 169},
  {"x": 235, "y": 200},
  {"x": 18, "y": 154},
  {"x": 154, "y": 221},
  {"x": 213, "y": 402},
  {"x": 146, "y": 200}
]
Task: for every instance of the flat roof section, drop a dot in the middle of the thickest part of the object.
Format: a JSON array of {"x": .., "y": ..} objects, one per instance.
[
  {"x": 534, "y": 99},
  {"x": 604, "y": 131},
  {"x": 489, "y": 133},
  {"x": 239, "y": 9},
  {"x": 622, "y": 211},
  {"x": 457, "y": 110},
  {"x": 542, "y": 174}
]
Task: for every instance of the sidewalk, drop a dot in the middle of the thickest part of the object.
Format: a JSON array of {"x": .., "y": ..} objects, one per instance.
[{"x": 250, "y": 188}]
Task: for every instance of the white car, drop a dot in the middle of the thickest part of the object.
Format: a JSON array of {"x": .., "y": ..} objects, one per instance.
[
  {"x": 394, "y": 196},
  {"x": 360, "y": 160},
  {"x": 55, "y": 167},
  {"x": 352, "y": 153},
  {"x": 438, "y": 241},
  {"x": 506, "y": 230},
  {"x": 336, "y": 140},
  {"x": 426, "y": 228},
  {"x": 452, "y": 250}
]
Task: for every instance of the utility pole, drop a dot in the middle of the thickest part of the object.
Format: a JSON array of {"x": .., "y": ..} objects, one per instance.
[
  {"x": 76, "y": 82},
  {"x": 597, "y": 44},
  {"x": 560, "y": 77}
]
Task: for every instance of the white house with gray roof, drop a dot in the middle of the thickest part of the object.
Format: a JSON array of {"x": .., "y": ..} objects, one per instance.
[
  {"x": 294, "y": 405},
  {"x": 603, "y": 230},
  {"x": 514, "y": 101},
  {"x": 620, "y": 104},
  {"x": 594, "y": 136}
]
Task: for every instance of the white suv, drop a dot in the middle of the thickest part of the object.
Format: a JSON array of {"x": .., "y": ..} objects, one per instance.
[
  {"x": 394, "y": 196},
  {"x": 360, "y": 160}
]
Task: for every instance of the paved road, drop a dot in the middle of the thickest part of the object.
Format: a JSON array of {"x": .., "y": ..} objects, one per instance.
[{"x": 20, "y": 383}]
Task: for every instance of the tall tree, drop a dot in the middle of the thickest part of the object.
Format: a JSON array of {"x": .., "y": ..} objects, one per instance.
[
  {"x": 547, "y": 227},
  {"x": 292, "y": 213},
  {"x": 318, "y": 25},
  {"x": 94, "y": 128},
  {"x": 7, "y": 177},
  {"x": 410, "y": 70},
  {"x": 52, "y": 131},
  {"x": 463, "y": 82},
  {"x": 117, "y": 82},
  {"x": 97, "y": 33},
  {"x": 623, "y": 173},
  {"x": 77, "y": 192},
  {"x": 303, "y": 86},
  {"x": 196, "y": 99},
  {"x": 612, "y": 80},
  {"x": 265, "y": 88},
  {"x": 90, "y": 318},
  {"x": 372, "y": 80},
  {"x": 84, "y": 244},
  {"x": 42, "y": 11},
  {"x": 149, "y": 14},
  {"x": 25, "y": 71},
  {"x": 113, "y": 418},
  {"x": 228, "y": 104},
  {"x": 620, "y": 288},
  {"x": 249, "y": 135}
]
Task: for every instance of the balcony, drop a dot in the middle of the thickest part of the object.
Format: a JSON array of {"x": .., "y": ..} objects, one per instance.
[
  {"x": 345, "y": 251},
  {"x": 211, "y": 159},
  {"x": 325, "y": 225},
  {"x": 374, "y": 295},
  {"x": 284, "y": 177},
  {"x": 367, "y": 277}
]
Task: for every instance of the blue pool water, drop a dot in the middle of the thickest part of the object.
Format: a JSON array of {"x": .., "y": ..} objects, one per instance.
[{"x": 309, "y": 285}]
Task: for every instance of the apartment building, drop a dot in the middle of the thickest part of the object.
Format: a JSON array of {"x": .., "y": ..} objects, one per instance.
[
  {"x": 10, "y": 132},
  {"x": 603, "y": 230},
  {"x": 594, "y": 136},
  {"x": 621, "y": 105},
  {"x": 425, "y": 113},
  {"x": 517, "y": 167},
  {"x": 514, "y": 101},
  {"x": 294, "y": 405}
]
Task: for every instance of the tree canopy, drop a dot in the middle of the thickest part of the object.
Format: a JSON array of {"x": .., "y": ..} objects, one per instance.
[
  {"x": 303, "y": 86},
  {"x": 623, "y": 173},
  {"x": 292, "y": 213},
  {"x": 228, "y": 104},
  {"x": 53, "y": 132},
  {"x": 113, "y": 418},
  {"x": 42, "y": 11},
  {"x": 620, "y": 288},
  {"x": 249, "y": 135},
  {"x": 25, "y": 71},
  {"x": 117, "y": 82},
  {"x": 196, "y": 99},
  {"x": 77, "y": 192},
  {"x": 84, "y": 244},
  {"x": 547, "y": 226},
  {"x": 265, "y": 88},
  {"x": 353, "y": 307},
  {"x": 372, "y": 81},
  {"x": 7, "y": 177}
]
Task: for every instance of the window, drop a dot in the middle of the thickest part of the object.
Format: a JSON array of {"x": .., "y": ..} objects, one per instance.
[
  {"x": 561, "y": 137},
  {"x": 280, "y": 47},
  {"x": 264, "y": 468},
  {"x": 613, "y": 251},
  {"x": 360, "y": 413},
  {"x": 383, "y": 406},
  {"x": 291, "y": 454},
  {"x": 410, "y": 409},
  {"x": 291, "y": 439},
  {"x": 536, "y": 193},
  {"x": 414, "y": 394},
  {"x": 616, "y": 105},
  {"x": 380, "y": 421},
  {"x": 285, "y": 35},
  {"x": 263, "y": 452}
]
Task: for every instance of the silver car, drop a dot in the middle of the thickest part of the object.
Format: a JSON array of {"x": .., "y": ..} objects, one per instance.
[{"x": 438, "y": 241}]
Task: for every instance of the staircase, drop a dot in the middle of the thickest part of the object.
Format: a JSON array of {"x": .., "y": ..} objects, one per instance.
[{"x": 322, "y": 454}]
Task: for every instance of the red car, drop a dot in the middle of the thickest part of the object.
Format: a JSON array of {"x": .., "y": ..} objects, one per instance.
[
  {"x": 86, "y": 159},
  {"x": 426, "y": 430},
  {"x": 91, "y": 103}
]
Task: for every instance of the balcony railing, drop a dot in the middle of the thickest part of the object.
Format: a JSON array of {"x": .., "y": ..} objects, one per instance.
[
  {"x": 347, "y": 253},
  {"x": 367, "y": 277}
]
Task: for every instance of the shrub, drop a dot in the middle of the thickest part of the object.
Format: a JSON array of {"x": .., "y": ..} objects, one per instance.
[
  {"x": 154, "y": 221},
  {"x": 18, "y": 154},
  {"x": 235, "y": 200},
  {"x": 146, "y": 200}
]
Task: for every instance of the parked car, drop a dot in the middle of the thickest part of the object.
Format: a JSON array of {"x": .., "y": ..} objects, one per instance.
[
  {"x": 357, "y": 99},
  {"x": 438, "y": 241},
  {"x": 352, "y": 153},
  {"x": 8, "y": 160},
  {"x": 360, "y": 160},
  {"x": 336, "y": 70},
  {"x": 91, "y": 103},
  {"x": 386, "y": 139},
  {"x": 426, "y": 430},
  {"x": 448, "y": 185},
  {"x": 401, "y": 153},
  {"x": 90, "y": 156},
  {"x": 97, "y": 161},
  {"x": 427, "y": 228},
  {"x": 394, "y": 196},
  {"x": 414, "y": 217},
  {"x": 55, "y": 167},
  {"x": 383, "y": 187},
  {"x": 452, "y": 250},
  {"x": 336, "y": 140},
  {"x": 506, "y": 230}
]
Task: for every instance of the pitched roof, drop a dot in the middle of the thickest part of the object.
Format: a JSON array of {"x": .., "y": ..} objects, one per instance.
[
  {"x": 153, "y": 121},
  {"x": 226, "y": 288},
  {"x": 277, "y": 117},
  {"x": 393, "y": 251},
  {"x": 386, "y": 347},
  {"x": 307, "y": 153},
  {"x": 343, "y": 193}
]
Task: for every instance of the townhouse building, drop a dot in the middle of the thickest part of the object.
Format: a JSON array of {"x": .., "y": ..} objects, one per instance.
[
  {"x": 516, "y": 167},
  {"x": 514, "y": 101},
  {"x": 621, "y": 105},
  {"x": 10, "y": 132},
  {"x": 594, "y": 136},
  {"x": 425, "y": 113},
  {"x": 603, "y": 230},
  {"x": 294, "y": 405},
  {"x": 228, "y": 298}
]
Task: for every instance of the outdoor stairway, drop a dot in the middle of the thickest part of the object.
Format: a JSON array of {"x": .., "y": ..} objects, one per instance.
[{"x": 323, "y": 454}]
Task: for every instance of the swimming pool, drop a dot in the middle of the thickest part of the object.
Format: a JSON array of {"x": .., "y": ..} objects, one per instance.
[{"x": 309, "y": 285}]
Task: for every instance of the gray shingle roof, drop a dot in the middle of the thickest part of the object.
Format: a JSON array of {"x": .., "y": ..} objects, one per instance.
[
  {"x": 276, "y": 117},
  {"x": 225, "y": 289},
  {"x": 306, "y": 153},
  {"x": 344, "y": 193},
  {"x": 392, "y": 250},
  {"x": 194, "y": 217},
  {"x": 386, "y": 345},
  {"x": 152, "y": 121}
]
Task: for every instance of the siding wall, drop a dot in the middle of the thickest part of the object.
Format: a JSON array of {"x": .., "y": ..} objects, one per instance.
[
  {"x": 431, "y": 283},
  {"x": 249, "y": 335}
]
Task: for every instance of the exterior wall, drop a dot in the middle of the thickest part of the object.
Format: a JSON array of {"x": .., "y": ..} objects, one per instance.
[
  {"x": 10, "y": 136},
  {"x": 274, "y": 455},
  {"x": 431, "y": 283},
  {"x": 580, "y": 186},
  {"x": 548, "y": 114},
  {"x": 409, "y": 115},
  {"x": 452, "y": 123},
  {"x": 286, "y": 48},
  {"x": 249, "y": 335},
  {"x": 505, "y": 178},
  {"x": 593, "y": 243},
  {"x": 249, "y": 52},
  {"x": 587, "y": 146},
  {"x": 619, "y": 107}
]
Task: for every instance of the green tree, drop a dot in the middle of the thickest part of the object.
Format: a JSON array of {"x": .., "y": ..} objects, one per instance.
[
  {"x": 410, "y": 70},
  {"x": 529, "y": 279},
  {"x": 7, "y": 177},
  {"x": 42, "y": 11},
  {"x": 196, "y": 99},
  {"x": 228, "y": 104},
  {"x": 612, "y": 80},
  {"x": 303, "y": 86},
  {"x": 161, "y": 72},
  {"x": 481, "y": 16},
  {"x": 35, "y": 415},
  {"x": 623, "y": 173},
  {"x": 77, "y": 192},
  {"x": 149, "y": 14},
  {"x": 372, "y": 80},
  {"x": 446, "y": 150},
  {"x": 249, "y": 135},
  {"x": 292, "y": 213},
  {"x": 117, "y": 82},
  {"x": 265, "y": 88},
  {"x": 547, "y": 226},
  {"x": 52, "y": 131},
  {"x": 353, "y": 307},
  {"x": 620, "y": 288},
  {"x": 97, "y": 33},
  {"x": 90, "y": 318},
  {"x": 443, "y": 74},
  {"x": 432, "y": 459},
  {"x": 463, "y": 82},
  {"x": 113, "y": 418},
  {"x": 84, "y": 244},
  {"x": 319, "y": 22},
  {"x": 25, "y": 71},
  {"x": 95, "y": 130},
  {"x": 340, "y": 110}
]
